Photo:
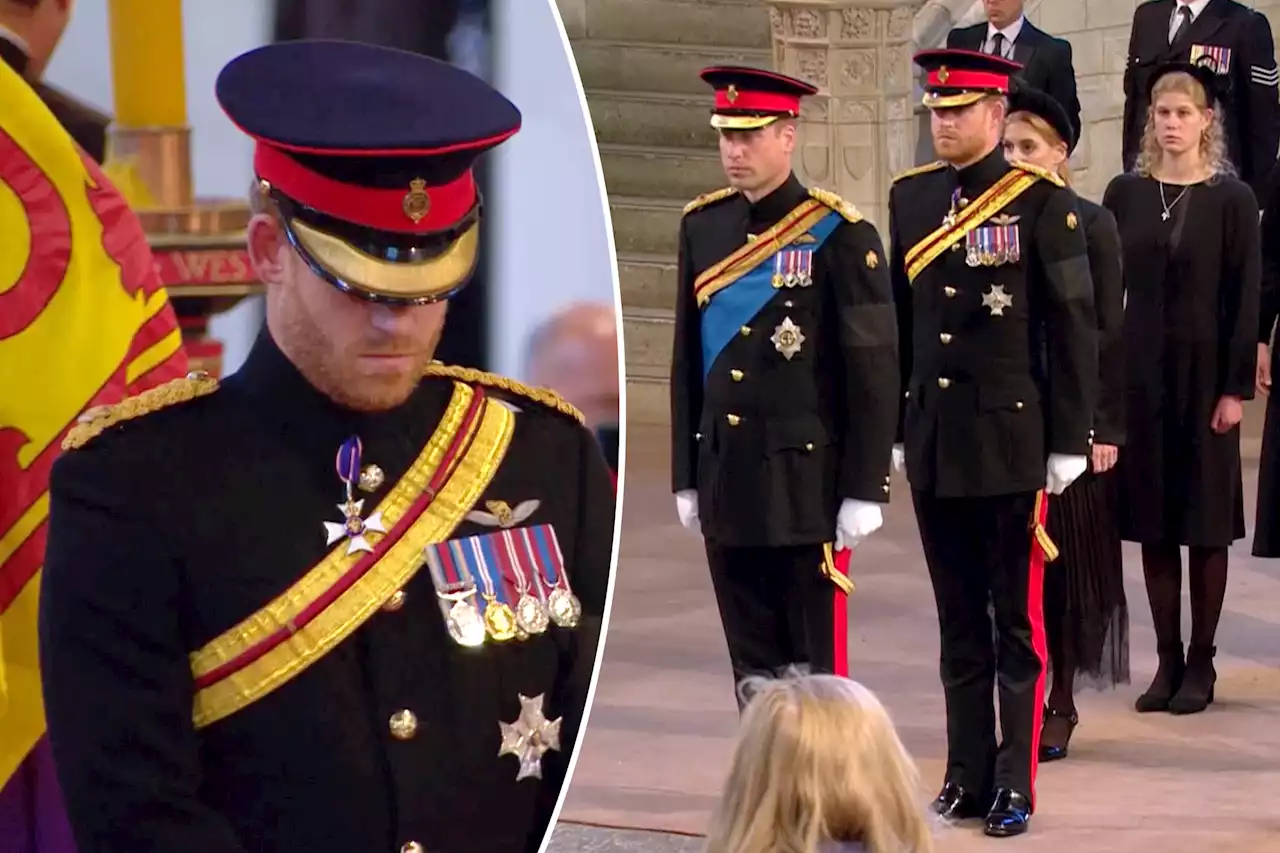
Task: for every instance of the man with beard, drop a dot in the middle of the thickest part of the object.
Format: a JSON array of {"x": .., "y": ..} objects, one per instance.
[{"x": 349, "y": 597}]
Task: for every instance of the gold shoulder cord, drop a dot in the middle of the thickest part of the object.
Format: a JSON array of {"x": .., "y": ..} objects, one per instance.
[
  {"x": 1040, "y": 172},
  {"x": 99, "y": 419},
  {"x": 545, "y": 396},
  {"x": 836, "y": 203},
  {"x": 919, "y": 170},
  {"x": 707, "y": 198}
]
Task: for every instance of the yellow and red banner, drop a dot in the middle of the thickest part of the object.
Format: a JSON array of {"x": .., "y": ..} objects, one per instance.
[{"x": 84, "y": 321}]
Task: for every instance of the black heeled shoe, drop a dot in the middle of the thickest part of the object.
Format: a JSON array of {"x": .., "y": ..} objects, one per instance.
[
  {"x": 1010, "y": 814},
  {"x": 1051, "y": 751},
  {"x": 1196, "y": 692},
  {"x": 1167, "y": 682}
]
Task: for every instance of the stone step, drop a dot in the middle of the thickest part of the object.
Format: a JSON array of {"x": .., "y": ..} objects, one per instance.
[
  {"x": 648, "y": 281},
  {"x": 675, "y": 173},
  {"x": 722, "y": 22},
  {"x": 647, "y": 339},
  {"x": 650, "y": 226},
  {"x": 630, "y": 65},
  {"x": 652, "y": 118}
]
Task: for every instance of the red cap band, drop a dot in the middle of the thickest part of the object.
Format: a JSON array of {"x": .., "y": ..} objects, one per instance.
[
  {"x": 765, "y": 102},
  {"x": 385, "y": 210},
  {"x": 955, "y": 79}
]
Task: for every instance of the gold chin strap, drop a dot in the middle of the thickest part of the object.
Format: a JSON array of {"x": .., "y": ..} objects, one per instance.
[
  {"x": 430, "y": 277},
  {"x": 832, "y": 574},
  {"x": 720, "y": 122}
]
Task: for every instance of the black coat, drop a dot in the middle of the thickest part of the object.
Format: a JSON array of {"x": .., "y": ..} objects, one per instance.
[
  {"x": 987, "y": 396},
  {"x": 1252, "y": 118},
  {"x": 87, "y": 126},
  {"x": 1047, "y": 62},
  {"x": 1106, "y": 269},
  {"x": 805, "y": 433},
  {"x": 170, "y": 529},
  {"x": 1190, "y": 333},
  {"x": 1266, "y": 535}
]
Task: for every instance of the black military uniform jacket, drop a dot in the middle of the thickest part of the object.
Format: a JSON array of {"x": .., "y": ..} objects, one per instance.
[
  {"x": 169, "y": 529},
  {"x": 1002, "y": 365},
  {"x": 1252, "y": 117},
  {"x": 1106, "y": 269},
  {"x": 774, "y": 444}
]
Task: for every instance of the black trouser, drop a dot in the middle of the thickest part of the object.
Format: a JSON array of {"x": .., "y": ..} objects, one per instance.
[
  {"x": 983, "y": 557},
  {"x": 776, "y": 607}
]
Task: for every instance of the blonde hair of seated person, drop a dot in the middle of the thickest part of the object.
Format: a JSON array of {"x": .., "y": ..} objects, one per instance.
[{"x": 818, "y": 762}]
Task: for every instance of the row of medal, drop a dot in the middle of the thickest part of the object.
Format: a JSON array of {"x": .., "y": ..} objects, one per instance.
[
  {"x": 465, "y": 570},
  {"x": 793, "y": 268},
  {"x": 992, "y": 246}
]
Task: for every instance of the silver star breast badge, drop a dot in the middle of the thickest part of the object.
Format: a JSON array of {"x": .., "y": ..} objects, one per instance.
[
  {"x": 997, "y": 300},
  {"x": 354, "y": 528},
  {"x": 787, "y": 338},
  {"x": 529, "y": 737}
]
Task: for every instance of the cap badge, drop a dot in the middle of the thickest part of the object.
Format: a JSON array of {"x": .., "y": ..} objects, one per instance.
[
  {"x": 943, "y": 75},
  {"x": 732, "y": 94},
  {"x": 416, "y": 201}
]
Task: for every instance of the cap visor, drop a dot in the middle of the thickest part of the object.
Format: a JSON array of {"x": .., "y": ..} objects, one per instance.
[
  {"x": 943, "y": 102},
  {"x": 385, "y": 281},
  {"x": 720, "y": 122}
]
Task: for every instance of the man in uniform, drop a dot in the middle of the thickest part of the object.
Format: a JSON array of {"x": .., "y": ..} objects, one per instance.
[
  {"x": 349, "y": 598},
  {"x": 1237, "y": 42},
  {"x": 783, "y": 396},
  {"x": 999, "y": 367}
]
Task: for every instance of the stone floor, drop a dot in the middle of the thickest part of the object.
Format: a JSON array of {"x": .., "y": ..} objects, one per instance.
[{"x": 661, "y": 729}]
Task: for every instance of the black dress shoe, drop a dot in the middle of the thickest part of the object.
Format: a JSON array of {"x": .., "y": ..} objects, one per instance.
[
  {"x": 1167, "y": 682},
  {"x": 1196, "y": 692},
  {"x": 1010, "y": 814},
  {"x": 957, "y": 803},
  {"x": 1051, "y": 749}
]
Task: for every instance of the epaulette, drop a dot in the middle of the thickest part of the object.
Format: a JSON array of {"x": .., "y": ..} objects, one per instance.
[
  {"x": 920, "y": 170},
  {"x": 839, "y": 205},
  {"x": 708, "y": 198},
  {"x": 1040, "y": 172},
  {"x": 545, "y": 396},
  {"x": 93, "y": 422}
]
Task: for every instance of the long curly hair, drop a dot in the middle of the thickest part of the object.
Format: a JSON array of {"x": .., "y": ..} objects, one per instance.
[{"x": 1213, "y": 142}]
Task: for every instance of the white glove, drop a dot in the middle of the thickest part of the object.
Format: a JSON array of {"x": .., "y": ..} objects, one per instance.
[
  {"x": 856, "y": 521},
  {"x": 899, "y": 457},
  {"x": 687, "y": 510},
  {"x": 1063, "y": 471}
]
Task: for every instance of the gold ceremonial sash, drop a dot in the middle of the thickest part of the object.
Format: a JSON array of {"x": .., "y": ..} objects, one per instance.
[
  {"x": 342, "y": 591},
  {"x": 744, "y": 259},
  {"x": 998, "y": 195},
  {"x": 1047, "y": 546}
]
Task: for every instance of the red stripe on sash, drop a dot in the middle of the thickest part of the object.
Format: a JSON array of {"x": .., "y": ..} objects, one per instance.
[{"x": 1035, "y": 613}]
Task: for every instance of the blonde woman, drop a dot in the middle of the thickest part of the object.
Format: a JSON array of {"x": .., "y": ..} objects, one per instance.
[
  {"x": 818, "y": 768},
  {"x": 1190, "y": 235},
  {"x": 1086, "y": 615}
]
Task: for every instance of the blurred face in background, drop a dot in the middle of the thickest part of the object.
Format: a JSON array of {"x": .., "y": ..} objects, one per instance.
[
  {"x": 39, "y": 23},
  {"x": 1026, "y": 139},
  {"x": 1002, "y": 13},
  {"x": 963, "y": 135},
  {"x": 757, "y": 161},
  {"x": 578, "y": 359}
]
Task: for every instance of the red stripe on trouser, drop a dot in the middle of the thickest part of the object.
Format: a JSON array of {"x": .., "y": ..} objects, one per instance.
[
  {"x": 840, "y": 615},
  {"x": 1035, "y": 613}
]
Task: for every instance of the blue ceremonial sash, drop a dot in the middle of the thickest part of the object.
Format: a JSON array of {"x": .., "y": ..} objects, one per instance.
[{"x": 732, "y": 308}]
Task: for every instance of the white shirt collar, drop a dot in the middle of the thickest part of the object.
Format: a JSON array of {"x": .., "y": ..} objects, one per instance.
[
  {"x": 10, "y": 36},
  {"x": 1011, "y": 32},
  {"x": 1196, "y": 7}
]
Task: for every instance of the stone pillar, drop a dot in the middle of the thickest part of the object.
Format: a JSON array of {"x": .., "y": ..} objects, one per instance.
[{"x": 858, "y": 131}]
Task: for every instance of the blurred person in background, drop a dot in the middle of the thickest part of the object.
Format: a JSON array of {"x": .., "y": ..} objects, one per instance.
[
  {"x": 1086, "y": 615},
  {"x": 1266, "y": 533},
  {"x": 29, "y": 33},
  {"x": 575, "y": 354}
]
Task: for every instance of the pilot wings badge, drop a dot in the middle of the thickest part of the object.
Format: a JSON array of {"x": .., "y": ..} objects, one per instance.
[{"x": 501, "y": 514}]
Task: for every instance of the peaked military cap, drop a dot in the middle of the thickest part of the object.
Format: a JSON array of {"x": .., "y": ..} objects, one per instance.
[
  {"x": 1026, "y": 99},
  {"x": 957, "y": 78},
  {"x": 1204, "y": 71},
  {"x": 748, "y": 98},
  {"x": 368, "y": 153}
]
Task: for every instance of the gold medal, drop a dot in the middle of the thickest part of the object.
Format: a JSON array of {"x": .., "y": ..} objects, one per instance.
[
  {"x": 465, "y": 625},
  {"x": 566, "y": 610},
  {"x": 531, "y": 616},
  {"x": 499, "y": 620}
]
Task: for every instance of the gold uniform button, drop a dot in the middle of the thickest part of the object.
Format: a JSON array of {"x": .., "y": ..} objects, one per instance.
[
  {"x": 403, "y": 725},
  {"x": 944, "y": 383},
  {"x": 1018, "y": 405},
  {"x": 884, "y": 489},
  {"x": 412, "y": 847},
  {"x": 949, "y": 291},
  {"x": 945, "y": 338},
  {"x": 744, "y": 330},
  {"x": 395, "y": 602},
  {"x": 737, "y": 375},
  {"x": 809, "y": 446},
  {"x": 733, "y": 420},
  {"x": 697, "y": 436},
  {"x": 907, "y": 395}
]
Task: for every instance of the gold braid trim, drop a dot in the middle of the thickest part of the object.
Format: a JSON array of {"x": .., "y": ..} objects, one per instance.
[
  {"x": 708, "y": 198},
  {"x": 920, "y": 170},
  {"x": 1039, "y": 172},
  {"x": 831, "y": 573},
  {"x": 545, "y": 396},
  {"x": 839, "y": 205},
  {"x": 94, "y": 422}
]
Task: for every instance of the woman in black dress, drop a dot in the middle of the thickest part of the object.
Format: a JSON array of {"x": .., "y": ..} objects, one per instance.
[
  {"x": 1189, "y": 232},
  {"x": 1266, "y": 527},
  {"x": 1086, "y": 616}
]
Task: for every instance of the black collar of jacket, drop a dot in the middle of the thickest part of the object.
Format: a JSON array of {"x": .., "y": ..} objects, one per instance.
[
  {"x": 777, "y": 204},
  {"x": 13, "y": 56},
  {"x": 976, "y": 177}
]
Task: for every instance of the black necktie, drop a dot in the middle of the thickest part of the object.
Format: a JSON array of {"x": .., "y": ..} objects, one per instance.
[
  {"x": 997, "y": 45},
  {"x": 1184, "y": 21}
]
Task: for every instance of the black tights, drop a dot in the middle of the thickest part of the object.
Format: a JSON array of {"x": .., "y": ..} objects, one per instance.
[{"x": 1162, "y": 568}]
